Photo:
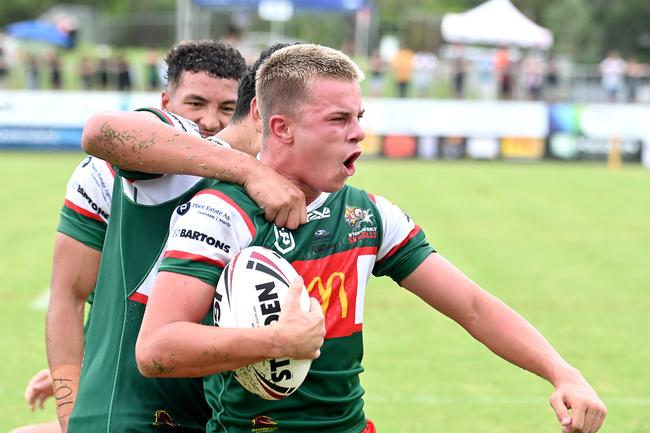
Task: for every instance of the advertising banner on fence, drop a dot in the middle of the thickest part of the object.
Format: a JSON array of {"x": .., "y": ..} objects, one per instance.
[
  {"x": 395, "y": 128},
  {"x": 442, "y": 118},
  {"x": 589, "y": 132},
  {"x": 54, "y": 119}
]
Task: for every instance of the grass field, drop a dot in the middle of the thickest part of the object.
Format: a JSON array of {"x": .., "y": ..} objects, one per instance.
[{"x": 566, "y": 245}]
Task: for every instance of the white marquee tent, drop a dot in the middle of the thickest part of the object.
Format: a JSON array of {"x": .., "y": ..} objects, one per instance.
[{"x": 495, "y": 22}]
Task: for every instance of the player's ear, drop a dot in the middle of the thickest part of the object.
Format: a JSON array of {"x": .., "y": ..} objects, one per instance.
[
  {"x": 255, "y": 115},
  {"x": 280, "y": 126},
  {"x": 164, "y": 100}
]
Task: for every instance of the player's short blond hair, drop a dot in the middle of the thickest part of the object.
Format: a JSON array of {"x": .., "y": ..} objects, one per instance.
[{"x": 283, "y": 81}]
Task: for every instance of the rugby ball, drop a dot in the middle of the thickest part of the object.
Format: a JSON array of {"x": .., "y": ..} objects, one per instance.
[{"x": 250, "y": 293}]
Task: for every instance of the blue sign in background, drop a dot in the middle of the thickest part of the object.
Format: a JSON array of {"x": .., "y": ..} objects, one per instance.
[{"x": 35, "y": 137}]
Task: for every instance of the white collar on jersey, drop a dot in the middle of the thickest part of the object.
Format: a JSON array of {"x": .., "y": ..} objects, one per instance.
[{"x": 318, "y": 202}]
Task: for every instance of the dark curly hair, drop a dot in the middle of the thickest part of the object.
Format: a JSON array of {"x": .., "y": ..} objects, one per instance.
[
  {"x": 246, "y": 90},
  {"x": 217, "y": 59}
]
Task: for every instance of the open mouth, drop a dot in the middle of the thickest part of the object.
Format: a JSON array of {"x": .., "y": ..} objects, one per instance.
[{"x": 349, "y": 162}]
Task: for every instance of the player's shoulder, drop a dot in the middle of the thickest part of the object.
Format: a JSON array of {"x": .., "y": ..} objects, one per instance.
[
  {"x": 227, "y": 204},
  {"x": 358, "y": 200},
  {"x": 353, "y": 194},
  {"x": 233, "y": 194},
  {"x": 175, "y": 120},
  {"x": 92, "y": 163},
  {"x": 93, "y": 168},
  {"x": 231, "y": 189}
]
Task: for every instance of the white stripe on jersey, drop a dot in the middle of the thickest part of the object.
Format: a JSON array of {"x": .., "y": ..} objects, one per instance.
[
  {"x": 395, "y": 224},
  {"x": 209, "y": 229},
  {"x": 153, "y": 192},
  {"x": 90, "y": 187},
  {"x": 364, "y": 270}
]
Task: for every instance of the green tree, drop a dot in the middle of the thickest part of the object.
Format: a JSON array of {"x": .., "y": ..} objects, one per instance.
[
  {"x": 19, "y": 10},
  {"x": 624, "y": 27},
  {"x": 574, "y": 32}
]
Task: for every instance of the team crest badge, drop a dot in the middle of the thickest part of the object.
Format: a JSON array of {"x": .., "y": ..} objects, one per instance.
[
  {"x": 355, "y": 217},
  {"x": 284, "y": 241}
]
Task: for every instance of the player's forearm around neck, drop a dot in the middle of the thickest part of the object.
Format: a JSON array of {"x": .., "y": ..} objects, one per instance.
[{"x": 140, "y": 142}]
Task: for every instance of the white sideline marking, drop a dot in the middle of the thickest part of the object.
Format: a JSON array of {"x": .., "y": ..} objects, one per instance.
[
  {"x": 41, "y": 302},
  {"x": 524, "y": 400}
]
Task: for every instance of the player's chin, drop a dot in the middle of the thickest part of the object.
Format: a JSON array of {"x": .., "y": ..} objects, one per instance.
[
  {"x": 335, "y": 184},
  {"x": 341, "y": 184}
]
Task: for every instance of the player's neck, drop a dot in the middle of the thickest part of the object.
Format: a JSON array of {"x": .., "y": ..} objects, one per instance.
[
  {"x": 310, "y": 193},
  {"x": 285, "y": 164},
  {"x": 241, "y": 136}
]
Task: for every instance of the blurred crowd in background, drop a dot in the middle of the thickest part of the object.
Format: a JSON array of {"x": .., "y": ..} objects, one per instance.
[
  {"x": 456, "y": 71},
  {"x": 124, "y": 53},
  {"x": 57, "y": 70}
]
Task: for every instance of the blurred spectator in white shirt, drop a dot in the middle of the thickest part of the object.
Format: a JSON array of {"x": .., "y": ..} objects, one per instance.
[
  {"x": 612, "y": 71},
  {"x": 424, "y": 66},
  {"x": 377, "y": 73}
]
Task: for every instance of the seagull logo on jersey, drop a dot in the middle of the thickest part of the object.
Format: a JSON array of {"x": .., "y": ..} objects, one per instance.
[
  {"x": 360, "y": 220},
  {"x": 318, "y": 215},
  {"x": 355, "y": 217}
]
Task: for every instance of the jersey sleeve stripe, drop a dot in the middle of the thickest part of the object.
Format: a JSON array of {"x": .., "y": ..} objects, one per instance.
[
  {"x": 173, "y": 254},
  {"x": 163, "y": 114},
  {"x": 82, "y": 211},
  {"x": 180, "y": 123},
  {"x": 160, "y": 113},
  {"x": 372, "y": 198},
  {"x": 231, "y": 202},
  {"x": 397, "y": 247}
]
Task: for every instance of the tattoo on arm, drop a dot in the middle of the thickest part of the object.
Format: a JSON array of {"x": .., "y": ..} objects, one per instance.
[{"x": 63, "y": 392}]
